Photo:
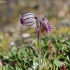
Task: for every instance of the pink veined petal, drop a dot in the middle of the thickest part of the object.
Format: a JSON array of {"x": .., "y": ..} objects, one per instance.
[
  {"x": 50, "y": 27},
  {"x": 46, "y": 25},
  {"x": 28, "y": 14},
  {"x": 28, "y": 19},
  {"x": 47, "y": 22},
  {"x": 31, "y": 23}
]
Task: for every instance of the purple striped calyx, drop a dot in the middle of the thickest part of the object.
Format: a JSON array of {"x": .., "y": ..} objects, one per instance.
[
  {"x": 28, "y": 19},
  {"x": 46, "y": 25}
]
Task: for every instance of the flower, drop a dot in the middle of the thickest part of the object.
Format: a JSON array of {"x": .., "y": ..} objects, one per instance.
[
  {"x": 46, "y": 25},
  {"x": 28, "y": 19}
]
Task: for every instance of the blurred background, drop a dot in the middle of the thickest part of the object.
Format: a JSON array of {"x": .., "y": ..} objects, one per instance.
[{"x": 13, "y": 34}]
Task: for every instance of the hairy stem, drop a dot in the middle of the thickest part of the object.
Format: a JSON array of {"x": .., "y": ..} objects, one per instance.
[
  {"x": 39, "y": 59},
  {"x": 38, "y": 44}
]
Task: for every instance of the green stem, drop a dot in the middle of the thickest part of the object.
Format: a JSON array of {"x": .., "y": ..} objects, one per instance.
[
  {"x": 57, "y": 68},
  {"x": 54, "y": 67},
  {"x": 39, "y": 52},
  {"x": 39, "y": 58},
  {"x": 51, "y": 68},
  {"x": 38, "y": 44}
]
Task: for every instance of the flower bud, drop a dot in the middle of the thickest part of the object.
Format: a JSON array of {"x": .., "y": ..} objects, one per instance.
[
  {"x": 46, "y": 25},
  {"x": 28, "y": 19}
]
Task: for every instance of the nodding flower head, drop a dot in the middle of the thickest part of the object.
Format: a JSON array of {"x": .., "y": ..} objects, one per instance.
[
  {"x": 28, "y": 19},
  {"x": 46, "y": 25}
]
